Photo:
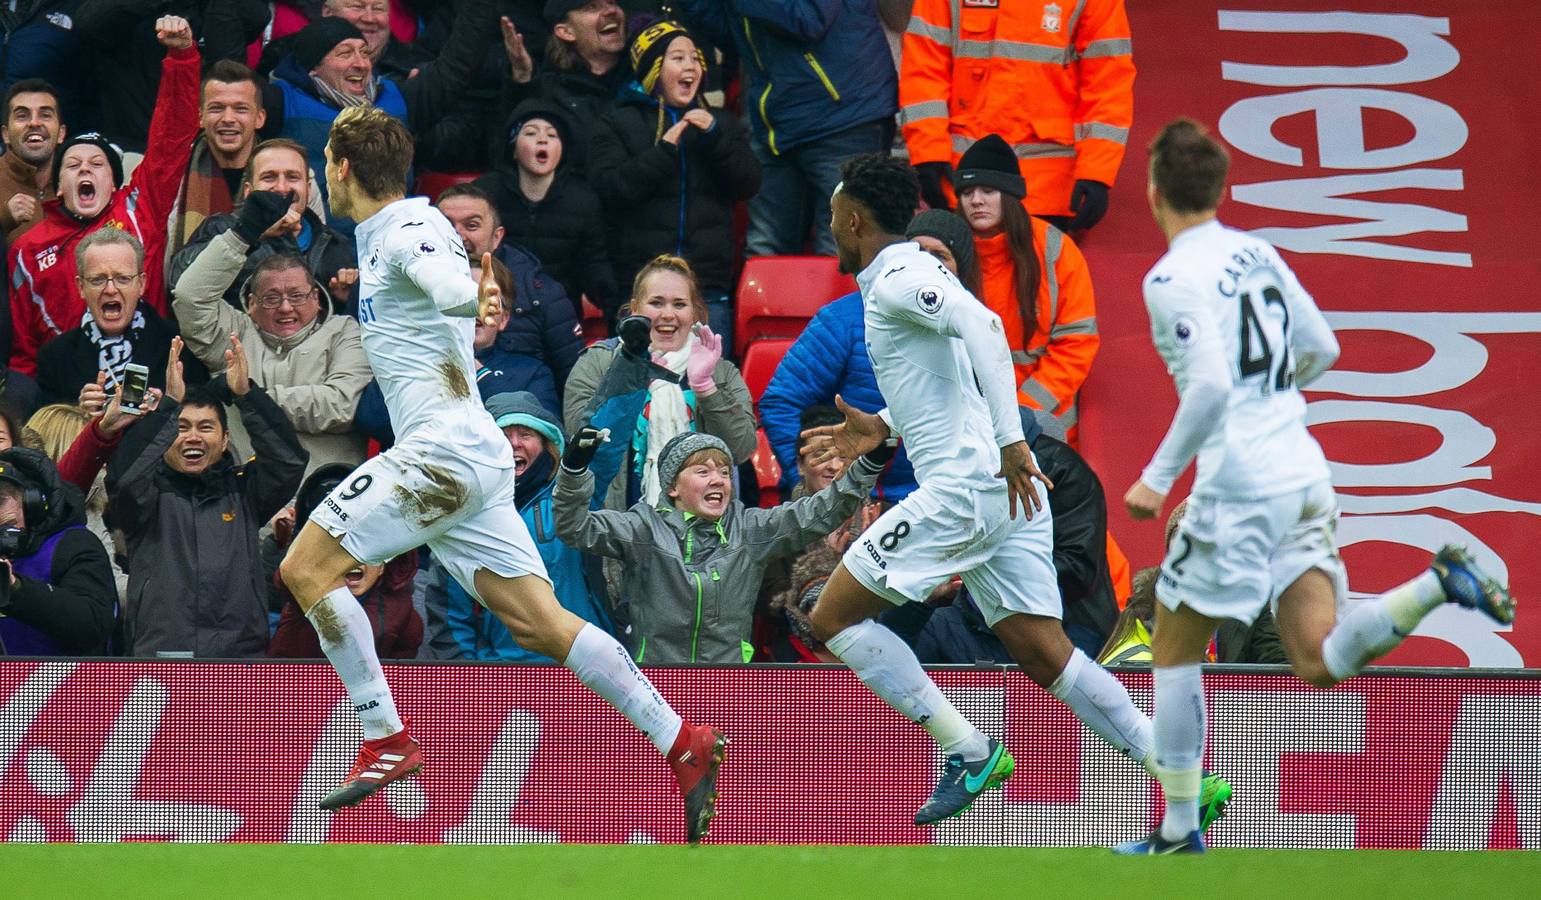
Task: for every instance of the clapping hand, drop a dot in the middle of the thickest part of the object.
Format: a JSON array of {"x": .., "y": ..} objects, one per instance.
[
  {"x": 520, "y": 66},
  {"x": 489, "y": 297},
  {"x": 237, "y": 373},
  {"x": 176, "y": 386},
  {"x": 705, "y": 354}
]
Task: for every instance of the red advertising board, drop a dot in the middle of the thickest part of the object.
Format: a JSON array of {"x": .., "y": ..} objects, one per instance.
[
  {"x": 186, "y": 751},
  {"x": 1385, "y": 147}
]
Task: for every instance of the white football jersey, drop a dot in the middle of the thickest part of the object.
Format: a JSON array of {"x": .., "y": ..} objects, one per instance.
[
  {"x": 423, "y": 359},
  {"x": 914, "y": 310},
  {"x": 1225, "y": 309}
]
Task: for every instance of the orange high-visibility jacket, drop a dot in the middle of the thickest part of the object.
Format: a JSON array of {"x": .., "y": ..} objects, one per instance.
[
  {"x": 1054, "y": 361},
  {"x": 1053, "y": 77}
]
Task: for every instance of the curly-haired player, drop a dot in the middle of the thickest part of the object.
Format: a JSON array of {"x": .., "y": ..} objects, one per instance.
[
  {"x": 942, "y": 362},
  {"x": 448, "y": 482}
]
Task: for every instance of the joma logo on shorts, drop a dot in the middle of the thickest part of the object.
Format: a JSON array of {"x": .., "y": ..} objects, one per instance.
[
  {"x": 876, "y": 556},
  {"x": 332, "y": 505},
  {"x": 362, "y": 707}
]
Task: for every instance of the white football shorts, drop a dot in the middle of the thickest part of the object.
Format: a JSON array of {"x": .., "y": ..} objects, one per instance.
[
  {"x": 1229, "y": 558},
  {"x": 942, "y": 530},
  {"x": 429, "y": 490}
]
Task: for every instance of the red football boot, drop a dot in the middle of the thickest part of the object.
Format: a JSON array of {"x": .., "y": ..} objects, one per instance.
[
  {"x": 696, "y": 758},
  {"x": 380, "y": 762}
]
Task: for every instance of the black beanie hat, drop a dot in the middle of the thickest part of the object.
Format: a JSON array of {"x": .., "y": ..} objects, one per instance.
[
  {"x": 990, "y": 163},
  {"x": 557, "y": 10},
  {"x": 536, "y": 108},
  {"x": 114, "y": 155},
  {"x": 950, "y": 229},
  {"x": 313, "y": 42}
]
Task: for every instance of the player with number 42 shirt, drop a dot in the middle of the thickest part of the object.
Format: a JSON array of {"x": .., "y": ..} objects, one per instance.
[{"x": 1240, "y": 337}]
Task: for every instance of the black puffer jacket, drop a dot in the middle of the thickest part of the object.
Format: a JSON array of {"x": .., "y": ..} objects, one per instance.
[
  {"x": 565, "y": 231},
  {"x": 330, "y": 250},
  {"x": 541, "y": 324},
  {"x": 195, "y": 577},
  {"x": 667, "y": 199}
]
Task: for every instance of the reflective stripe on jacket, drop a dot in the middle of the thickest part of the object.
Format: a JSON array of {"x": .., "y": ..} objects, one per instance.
[
  {"x": 1055, "y": 78},
  {"x": 1055, "y": 355}
]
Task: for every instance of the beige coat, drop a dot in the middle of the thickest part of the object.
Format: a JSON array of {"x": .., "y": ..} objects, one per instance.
[{"x": 315, "y": 376}]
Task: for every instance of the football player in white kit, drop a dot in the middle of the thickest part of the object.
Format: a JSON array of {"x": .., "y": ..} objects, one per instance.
[
  {"x": 447, "y": 483},
  {"x": 943, "y": 365},
  {"x": 1240, "y": 336}
]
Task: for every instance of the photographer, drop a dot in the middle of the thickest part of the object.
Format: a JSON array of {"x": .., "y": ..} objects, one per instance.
[
  {"x": 191, "y": 513},
  {"x": 56, "y": 590}
]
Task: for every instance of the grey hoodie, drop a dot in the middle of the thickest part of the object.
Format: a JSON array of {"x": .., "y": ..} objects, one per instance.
[{"x": 693, "y": 583}]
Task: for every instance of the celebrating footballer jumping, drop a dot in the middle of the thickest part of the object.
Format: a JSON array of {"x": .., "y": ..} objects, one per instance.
[{"x": 448, "y": 483}]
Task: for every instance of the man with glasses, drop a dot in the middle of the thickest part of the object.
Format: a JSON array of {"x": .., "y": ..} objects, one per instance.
[
  {"x": 85, "y": 364},
  {"x": 306, "y": 357},
  {"x": 278, "y": 167}
]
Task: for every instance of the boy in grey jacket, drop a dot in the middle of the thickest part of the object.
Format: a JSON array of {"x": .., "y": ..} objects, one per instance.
[{"x": 693, "y": 564}]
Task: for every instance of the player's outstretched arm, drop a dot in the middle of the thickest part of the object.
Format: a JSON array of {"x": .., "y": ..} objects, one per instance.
[
  {"x": 860, "y": 433},
  {"x": 1187, "y": 337}
]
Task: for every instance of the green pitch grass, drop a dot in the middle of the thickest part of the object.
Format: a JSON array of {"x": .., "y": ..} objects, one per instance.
[{"x": 378, "y": 872}]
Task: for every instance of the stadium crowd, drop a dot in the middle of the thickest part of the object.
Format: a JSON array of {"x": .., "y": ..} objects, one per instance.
[{"x": 163, "y": 203}]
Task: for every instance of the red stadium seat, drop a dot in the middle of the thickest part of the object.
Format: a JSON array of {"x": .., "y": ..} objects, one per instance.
[
  {"x": 432, "y": 184},
  {"x": 595, "y": 328},
  {"x": 767, "y": 471},
  {"x": 760, "y": 363},
  {"x": 779, "y": 294}
]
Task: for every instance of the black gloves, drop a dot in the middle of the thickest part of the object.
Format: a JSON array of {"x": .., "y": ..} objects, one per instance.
[
  {"x": 636, "y": 333},
  {"x": 260, "y": 211},
  {"x": 932, "y": 175},
  {"x": 1089, "y": 202},
  {"x": 582, "y": 446}
]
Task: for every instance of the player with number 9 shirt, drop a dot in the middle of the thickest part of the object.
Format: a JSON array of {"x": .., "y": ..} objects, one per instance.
[
  {"x": 448, "y": 482},
  {"x": 1240, "y": 336}
]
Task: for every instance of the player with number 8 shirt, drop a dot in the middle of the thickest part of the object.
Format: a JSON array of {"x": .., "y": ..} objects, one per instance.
[
  {"x": 944, "y": 367},
  {"x": 1240, "y": 336}
]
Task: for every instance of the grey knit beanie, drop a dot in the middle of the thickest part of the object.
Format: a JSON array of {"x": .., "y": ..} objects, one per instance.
[
  {"x": 680, "y": 448},
  {"x": 950, "y": 229}
]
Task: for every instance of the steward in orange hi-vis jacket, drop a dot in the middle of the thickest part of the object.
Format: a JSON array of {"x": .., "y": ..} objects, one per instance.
[
  {"x": 1053, "y": 332},
  {"x": 1053, "y": 77}
]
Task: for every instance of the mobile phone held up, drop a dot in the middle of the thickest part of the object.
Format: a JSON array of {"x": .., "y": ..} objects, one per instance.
[{"x": 136, "y": 384}]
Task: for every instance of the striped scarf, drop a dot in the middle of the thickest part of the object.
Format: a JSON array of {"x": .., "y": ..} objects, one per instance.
[{"x": 114, "y": 352}]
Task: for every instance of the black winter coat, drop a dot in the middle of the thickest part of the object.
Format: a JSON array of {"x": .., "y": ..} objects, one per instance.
[
  {"x": 1080, "y": 536},
  {"x": 541, "y": 324},
  {"x": 668, "y": 199},
  {"x": 330, "y": 250},
  {"x": 565, "y": 231},
  {"x": 75, "y": 605},
  {"x": 195, "y": 577},
  {"x": 70, "y": 360}
]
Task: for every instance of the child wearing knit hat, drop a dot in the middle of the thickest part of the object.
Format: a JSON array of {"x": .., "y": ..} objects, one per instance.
[{"x": 693, "y": 563}]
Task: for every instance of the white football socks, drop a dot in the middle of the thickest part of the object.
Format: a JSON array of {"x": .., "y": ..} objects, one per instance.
[
  {"x": 1099, "y": 700},
  {"x": 888, "y": 666},
  {"x": 1179, "y": 745},
  {"x": 1375, "y": 627},
  {"x": 603, "y": 664},
  {"x": 348, "y": 640}
]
